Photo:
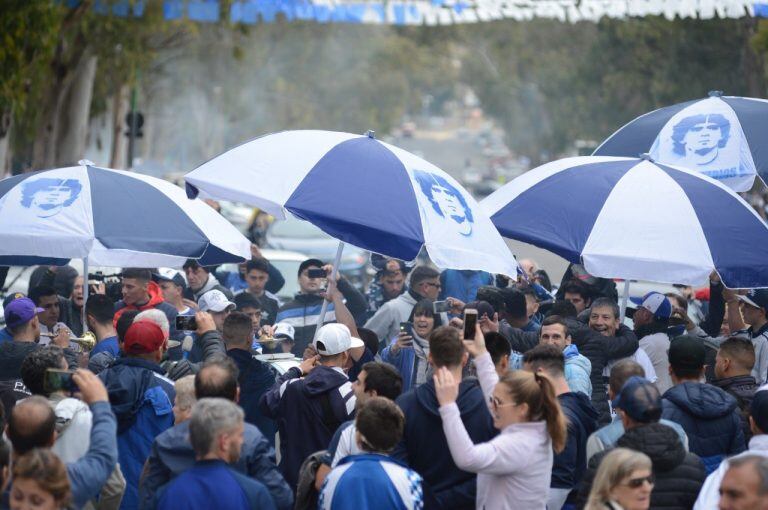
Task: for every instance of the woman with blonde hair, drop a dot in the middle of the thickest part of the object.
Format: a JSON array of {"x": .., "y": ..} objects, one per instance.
[
  {"x": 624, "y": 481},
  {"x": 39, "y": 481},
  {"x": 514, "y": 468}
]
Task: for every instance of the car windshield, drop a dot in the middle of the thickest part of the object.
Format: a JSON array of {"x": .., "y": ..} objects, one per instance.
[{"x": 297, "y": 229}]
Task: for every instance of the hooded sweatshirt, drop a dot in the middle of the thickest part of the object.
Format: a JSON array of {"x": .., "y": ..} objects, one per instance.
[
  {"x": 142, "y": 400},
  {"x": 308, "y": 410},
  {"x": 577, "y": 371},
  {"x": 710, "y": 418},
  {"x": 424, "y": 447},
  {"x": 569, "y": 465},
  {"x": 155, "y": 301}
]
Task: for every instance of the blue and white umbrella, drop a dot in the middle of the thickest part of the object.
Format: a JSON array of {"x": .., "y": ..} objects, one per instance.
[
  {"x": 723, "y": 137},
  {"x": 635, "y": 219},
  {"x": 109, "y": 218},
  {"x": 361, "y": 191}
]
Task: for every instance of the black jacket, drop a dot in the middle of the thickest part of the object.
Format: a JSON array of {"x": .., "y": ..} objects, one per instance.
[
  {"x": 679, "y": 475},
  {"x": 598, "y": 349},
  {"x": 743, "y": 388},
  {"x": 568, "y": 466},
  {"x": 710, "y": 418}
]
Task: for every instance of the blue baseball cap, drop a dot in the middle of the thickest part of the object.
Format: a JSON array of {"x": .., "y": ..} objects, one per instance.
[
  {"x": 20, "y": 311},
  {"x": 756, "y": 297},
  {"x": 656, "y": 303},
  {"x": 758, "y": 409},
  {"x": 640, "y": 399}
]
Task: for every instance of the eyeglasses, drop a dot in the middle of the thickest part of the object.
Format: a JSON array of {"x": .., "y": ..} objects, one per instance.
[
  {"x": 496, "y": 403},
  {"x": 636, "y": 483}
]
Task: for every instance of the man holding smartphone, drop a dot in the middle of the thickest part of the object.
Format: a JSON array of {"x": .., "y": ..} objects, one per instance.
[{"x": 303, "y": 311}]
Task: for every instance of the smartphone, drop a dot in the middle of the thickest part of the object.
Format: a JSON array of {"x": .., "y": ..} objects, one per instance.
[
  {"x": 470, "y": 322},
  {"x": 407, "y": 328},
  {"x": 441, "y": 306},
  {"x": 59, "y": 380},
  {"x": 186, "y": 323},
  {"x": 314, "y": 272}
]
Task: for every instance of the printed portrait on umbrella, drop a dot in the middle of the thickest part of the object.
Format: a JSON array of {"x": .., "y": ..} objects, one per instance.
[
  {"x": 699, "y": 138},
  {"x": 446, "y": 200},
  {"x": 48, "y": 196}
]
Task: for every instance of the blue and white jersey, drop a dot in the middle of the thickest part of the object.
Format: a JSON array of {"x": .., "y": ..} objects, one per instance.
[{"x": 371, "y": 481}]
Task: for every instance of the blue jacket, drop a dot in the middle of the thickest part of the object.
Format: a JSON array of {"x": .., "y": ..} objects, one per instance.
[
  {"x": 569, "y": 465},
  {"x": 577, "y": 371},
  {"x": 213, "y": 484},
  {"x": 142, "y": 400},
  {"x": 256, "y": 378},
  {"x": 172, "y": 455},
  {"x": 710, "y": 418},
  {"x": 88, "y": 474},
  {"x": 299, "y": 405},
  {"x": 463, "y": 284},
  {"x": 5, "y": 335},
  {"x": 371, "y": 482},
  {"x": 425, "y": 449}
]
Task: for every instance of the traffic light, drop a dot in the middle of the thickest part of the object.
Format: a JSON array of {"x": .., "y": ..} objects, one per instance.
[{"x": 136, "y": 122}]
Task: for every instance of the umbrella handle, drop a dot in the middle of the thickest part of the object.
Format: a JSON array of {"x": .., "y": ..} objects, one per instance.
[
  {"x": 624, "y": 298},
  {"x": 324, "y": 308},
  {"x": 85, "y": 293}
]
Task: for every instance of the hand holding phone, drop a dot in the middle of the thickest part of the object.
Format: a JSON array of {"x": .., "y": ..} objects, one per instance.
[{"x": 59, "y": 380}]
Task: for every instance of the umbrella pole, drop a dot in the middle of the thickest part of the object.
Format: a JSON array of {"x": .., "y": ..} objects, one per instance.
[
  {"x": 624, "y": 298},
  {"x": 85, "y": 293},
  {"x": 324, "y": 308}
]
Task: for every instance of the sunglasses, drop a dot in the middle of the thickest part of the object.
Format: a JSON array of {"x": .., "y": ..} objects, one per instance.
[
  {"x": 636, "y": 483},
  {"x": 496, "y": 403}
]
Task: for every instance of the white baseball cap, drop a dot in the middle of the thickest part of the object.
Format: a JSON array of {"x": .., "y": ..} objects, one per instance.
[
  {"x": 284, "y": 330},
  {"x": 334, "y": 339},
  {"x": 214, "y": 301}
]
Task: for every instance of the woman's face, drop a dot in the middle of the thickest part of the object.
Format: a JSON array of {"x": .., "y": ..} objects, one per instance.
[
  {"x": 634, "y": 492},
  {"x": 423, "y": 324},
  {"x": 26, "y": 494},
  {"x": 504, "y": 410}
]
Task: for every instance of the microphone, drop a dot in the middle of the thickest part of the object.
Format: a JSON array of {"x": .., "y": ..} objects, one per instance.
[{"x": 186, "y": 346}]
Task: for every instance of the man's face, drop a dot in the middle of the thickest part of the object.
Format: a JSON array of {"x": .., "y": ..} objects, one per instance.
[
  {"x": 256, "y": 281},
  {"x": 310, "y": 285},
  {"x": 642, "y": 317},
  {"x": 555, "y": 334},
  {"x": 180, "y": 414},
  {"x": 134, "y": 291},
  {"x": 51, "y": 197},
  {"x": 720, "y": 367},
  {"x": 171, "y": 291},
  {"x": 77, "y": 292},
  {"x": 219, "y": 317},
  {"x": 751, "y": 314},
  {"x": 358, "y": 387},
  {"x": 603, "y": 321},
  {"x": 740, "y": 490},
  {"x": 702, "y": 137},
  {"x": 429, "y": 288},
  {"x": 577, "y": 300},
  {"x": 232, "y": 444},
  {"x": 50, "y": 316},
  {"x": 196, "y": 277},
  {"x": 448, "y": 202},
  {"x": 255, "y": 315},
  {"x": 392, "y": 284}
]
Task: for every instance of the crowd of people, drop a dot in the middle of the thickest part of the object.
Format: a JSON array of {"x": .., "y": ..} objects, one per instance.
[{"x": 394, "y": 401}]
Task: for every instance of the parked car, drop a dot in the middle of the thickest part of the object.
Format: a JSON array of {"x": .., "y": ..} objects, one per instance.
[{"x": 297, "y": 235}]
